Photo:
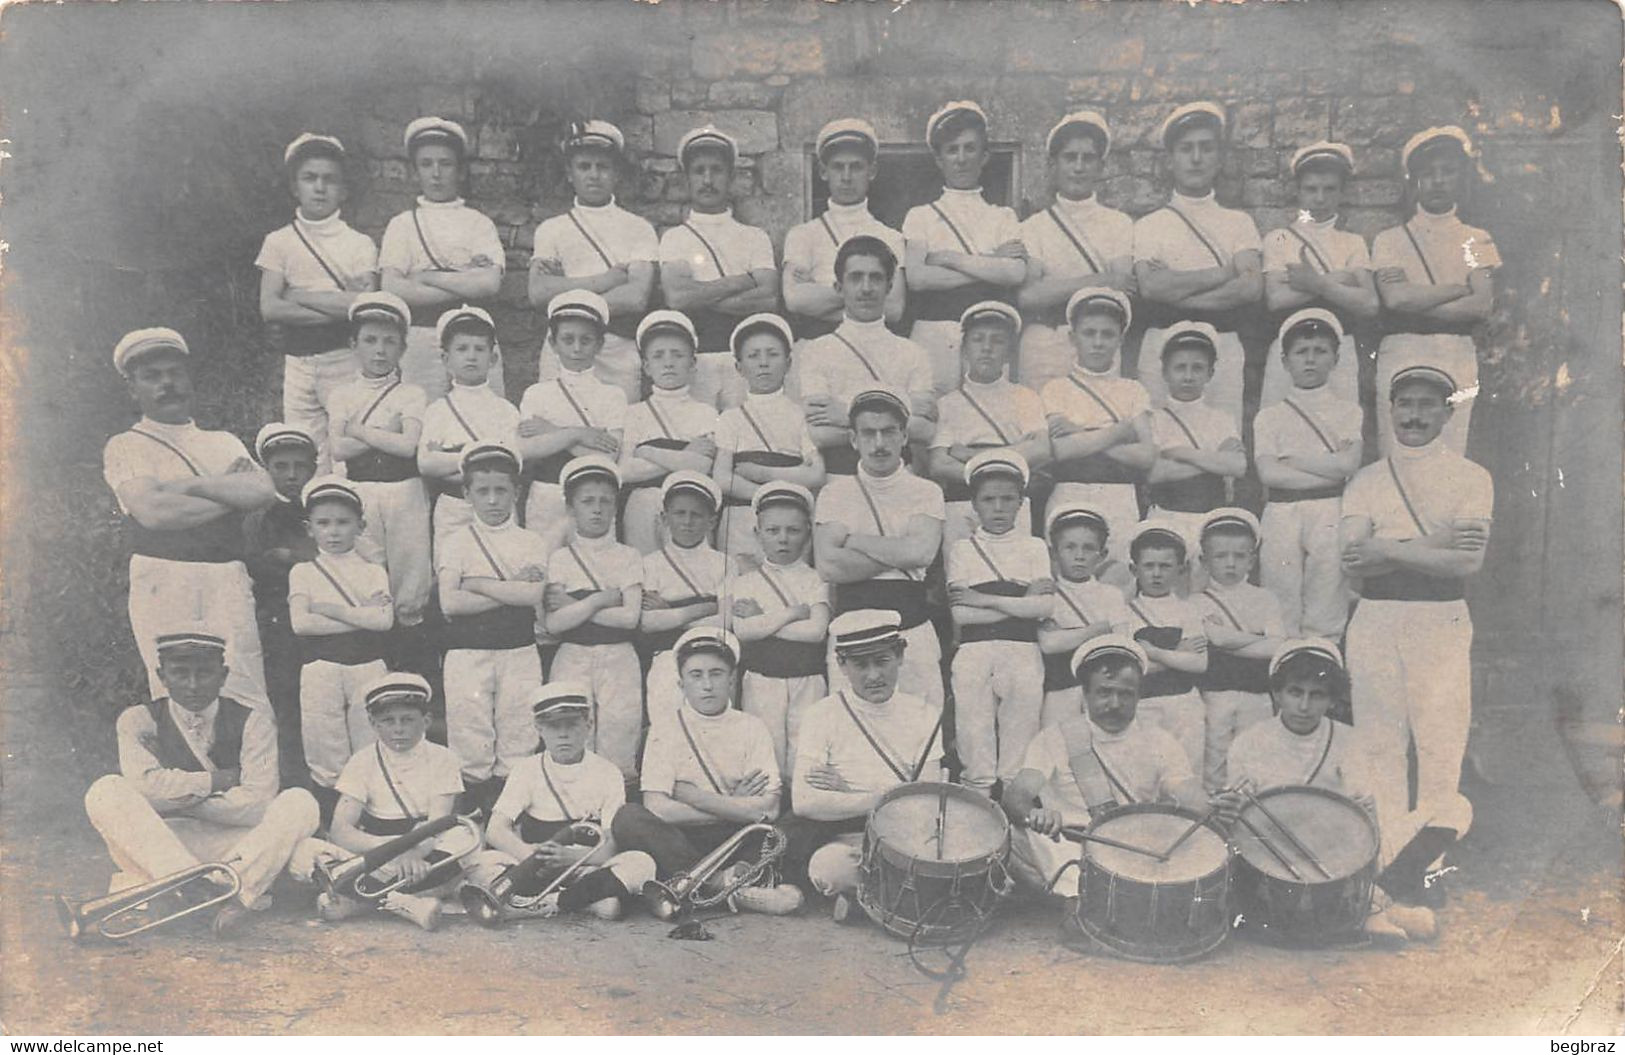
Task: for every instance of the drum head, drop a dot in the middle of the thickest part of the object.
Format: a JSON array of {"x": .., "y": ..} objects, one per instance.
[
  {"x": 1156, "y": 828},
  {"x": 1340, "y": 834},
  {"x": 906, "y": 820}
]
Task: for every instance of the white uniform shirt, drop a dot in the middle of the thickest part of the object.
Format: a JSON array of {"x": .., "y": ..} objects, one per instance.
[
  {"x": 679, "y": 574},
  {"x": 1452, "y": 249},
  {"x": 715, "y": 245},
  {"x": 733, "y": 744},
  {"x": 1206, "y": 428},
  {"x": 1268, "y": 754},
  {"x": 469, "y": 414},
  {"x": 167, "y": 452},
  {"x": 179, "y": 790},
  {"x": 668, "y": 414},
  {"x": 595, "y": 564},
  {"x": 985, "y": 558},
  {"x": 895, "y": 500},
  {"x": 374, "y": 401},
  {"x": 1086, "y": 226},
  {"x": 1163, "y": 236},
  {"x": 1328, "y": 248},
  {"x": 811, "y": 246},
  {"x": 1147, "y": 761},
  {"x": 769, "y": 422},
  {"x": 1257, "y": 610},
  {"x": 479, "y": 551},
  {"x": 1168, "y": 610},
  {"x": 591, "y": 789},
  {"x": 860, "y": 356},
  {"x": 592, "y": 239},
  {"x": 575, "y": 399},
  {"x": 359, "y": 577},
  {"x": 1279, "y": 430},
  {"x": 1015, "y": 411},
  {"x": 1441, "y": 485},
  {"x": 1081, "y": 604},
  {"x": 983, "y": 225},
  {"x": 1078, "y": 398},
  {"x": 799, "y": 583},
  {"x": 420, "y": 774},
  {"x": 829, "y": 736},
  {"x": 348, "y": 252},
  {"x": 459, "y": 239}
]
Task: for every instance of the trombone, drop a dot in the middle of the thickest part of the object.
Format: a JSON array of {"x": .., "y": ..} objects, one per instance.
[
  {"x": 118, "y": 915},
  {"x": 345, "y": 879},
  {"x": 491, "y": 906},
  {"x": 681, "y": 892}
]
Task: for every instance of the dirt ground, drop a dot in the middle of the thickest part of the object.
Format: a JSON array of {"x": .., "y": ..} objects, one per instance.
[{"x": 1530, "y": 943}]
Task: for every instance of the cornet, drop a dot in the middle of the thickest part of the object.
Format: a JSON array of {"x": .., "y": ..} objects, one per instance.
[
  {"x": 496, "y": 904},
  {"x": 682, "y": 893},
  {"x": 117, "y": 916},
  {"x": 348, "y": 878}
]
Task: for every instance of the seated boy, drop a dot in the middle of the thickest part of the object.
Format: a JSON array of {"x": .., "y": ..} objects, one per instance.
[
  {"x": 681, "y": 583},
  {"x": 536, "y": 830},
  {"x": 1084, "y": 608},
  {"x": 781, "y": 613},
  {"x": 707, "y": 772},
  {"x": 1000, "y": 587},
  {"x": 1171, "y": 631}
]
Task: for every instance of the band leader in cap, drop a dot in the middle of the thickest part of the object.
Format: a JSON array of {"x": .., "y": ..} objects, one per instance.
[
  {"x": 866, "y": 630},
  {"x": 847, "y": 131},
  {"x": 561, "y": 699},
  {"x": 396, "y": 687},
  {"x": 139, "y": 343},
  {"x": 1187, "y": 117},
  {"x": 1108, "y": 646},
  {"x": 1089, "y": 123}
]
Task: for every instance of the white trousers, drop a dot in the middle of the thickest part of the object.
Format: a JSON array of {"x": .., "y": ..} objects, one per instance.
[
  {"x": 1184, "y": 717},
  {"x": 1046, "y": 354},
  {"x": 333, "y": 714},
  {"x": 1453, "y": 353},
  {"x": 424, "y": 366},
  {"x": 149, "y": 846},
  {"x": 1228, "y": 713},
  {"x": 617, "y": 364},
  {"x": 1409, "y": 662},
  {"x": 998, "y": 695},
  {"x": 171, "y": 595},
  {"x": 1300, "y": 563},
  {"x": 940, "y": 339},
  {"x": 1116, "y": 502},
  {"x": 307, "y": 381},
  {"x": 780, "y": 703},
  {"x": 489, "y": 693},
  {"x": 834, "y": 867},
  {"x": 614, "y": 680},
  {"x": 1223, "y": 391},
  {"x": 1344, "y": 382},
  {"x": 640, "y": 524},
  {"x": 397, "y": 537},
  {"x": 922, "y": 666}
]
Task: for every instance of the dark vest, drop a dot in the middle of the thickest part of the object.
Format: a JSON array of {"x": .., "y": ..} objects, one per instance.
[{"x": 175, "y": 753}]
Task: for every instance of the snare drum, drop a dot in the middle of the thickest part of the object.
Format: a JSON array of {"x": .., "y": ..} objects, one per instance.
[
  {"x": 1149, "y": 910},
  {"x": 933, "y": 862},
  {"x": 1311, "y": 909}
]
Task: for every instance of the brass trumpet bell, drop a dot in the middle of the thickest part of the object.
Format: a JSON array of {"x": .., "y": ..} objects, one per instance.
[{"x": 119, "y": 915}]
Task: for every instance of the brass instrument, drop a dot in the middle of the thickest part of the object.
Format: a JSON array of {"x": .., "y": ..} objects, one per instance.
[
  {"x": 493, "y": 905},
  {"x": 682, "y": 892},
  {"x": 345, "y": 878},
  {"x": 117, "y": 916}
]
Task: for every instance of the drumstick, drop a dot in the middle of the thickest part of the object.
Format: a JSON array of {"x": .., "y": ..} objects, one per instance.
[
  {"x": 1296, "y": 844},
  {"x": 1084, "y": 836},
  {"x": 1188, "y": 832},
  {"x": 1266, "y": 844}
]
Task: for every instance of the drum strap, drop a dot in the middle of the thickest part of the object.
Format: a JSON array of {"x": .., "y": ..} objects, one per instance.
[
  {"x": 564, "y": 810},
  {"x": 1092, "y": 394},
  {"x": 383, "y": 768},
  {"x": 1309, "y": 420},
  {"x": 699, "y": 756},
  {"x": 1331, "y": 732},
  {"x": 886, "y": 756},
  {"x": 998, "y": 431},
  {"x": 1089, "y": 770}
]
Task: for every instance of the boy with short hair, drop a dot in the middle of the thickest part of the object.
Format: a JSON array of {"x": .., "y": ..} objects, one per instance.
[
  {"x": 594, "y": 601},
  {"x": 682, "y": 584},
  {"x": 310, "y": 273},
  {"x": 1000, "y": 588},
  {"x": 339, "y": 606},
  {"x": 376, "y": 421},
  {"x": 670, "y": 430},
  {"x": 781, "y": 612},
  {"x": 764, "y": 439},
  {"x": 1243, "y": 629},
  {"x": 1171, "y": 631},
  {"x": 469, "y": 413},
  {"x": 1085, "y": 605},
  {"x": 533, "y": 833},
  {"x": 1306, "y": 448},
  {"x": 441, "y": 253},
  {"x": 492, "y": 580},
  {"x": 573, "y": 412}
]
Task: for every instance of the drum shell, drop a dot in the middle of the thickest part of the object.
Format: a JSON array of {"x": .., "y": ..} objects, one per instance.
[
  {"x": 1153, "y": 922},
  {"x": 1313, "y": 911},
  {"x": 923, "y": 899}
]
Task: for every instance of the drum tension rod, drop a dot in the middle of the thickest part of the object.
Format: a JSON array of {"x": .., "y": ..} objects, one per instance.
[{"x": 1296, "y": 843}]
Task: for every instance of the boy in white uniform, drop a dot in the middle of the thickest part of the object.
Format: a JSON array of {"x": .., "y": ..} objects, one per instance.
[
  {"x": 310, "y": 273},
  {"x": 669, "y": 431},
  {"x": 1312, "y": 263},
  {"x": 185, "y": 491},
  {"x": 1000, "y": 588},
  {"x": 713, "y": 268},
  {"x": 492, "y": 576},
  {"x": 573, "y": 412},
  {"x": 197, "y": 781},
  {"x": 599, "y": 247},
  {"x": 987, "y": 410},
  {"x": 780, "y": 610},
  {"x": 1075, "y": 243},
  {"x": 962, "y": 249},
  {"x": 1306, "y": 448},
  {"x": 441, "y": 253},
  {"x": 763, "y": 440},
  {"x": 1171, "y": 631},
  {"x": 682, "y": 584},
  {"x": 1197, "y": 260},
  {"x": 848, "y": 153},
  {"x": 376, "y": 422},
  {"x": 1085, "y": 606},
  {"x": 1436, "y": 278},
  {"x": 594, "y": 603}
]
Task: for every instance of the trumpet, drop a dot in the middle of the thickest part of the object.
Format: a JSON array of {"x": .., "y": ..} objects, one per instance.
[
  {"x": 491, "y": 906},
  {"x": 347, "y": 878},
  {"x": 117, "y": 916},
  {"x": 682, "y": 892}
]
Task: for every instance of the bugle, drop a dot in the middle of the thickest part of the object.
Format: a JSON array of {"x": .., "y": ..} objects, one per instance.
[
  {"x": 346, "y": 878},
  {"x": 118, "y": 915},
  {"x": 684, "y": 890},
  {"x": 491, "y": 906}
]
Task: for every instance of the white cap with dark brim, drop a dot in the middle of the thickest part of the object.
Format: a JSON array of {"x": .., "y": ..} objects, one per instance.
[
  {"x": 877, "y": 399},
  {"x": 381, "y": 305},
  {"x": 333, "y": 489},
  {"x": 707, "y": 137},
  {"x": 844, "y": 131},
  {"x": 1066, "y": 514},
  {"x": 692, "y": 482},
  {"x": 1312, "y": 320},
  {"x": 1159, "y": 529},
  {"x": 1325, "y": 150},
  {"x": 762, "y": 320},
  {"x": 498, "y": 456},
  {"x": 189, "y": 641},
  {"x": 463, "y": 313},
  {"x": 947, "y": 110},
  {"x": 561, "y": 699},
  {"x": 1109, "y": 645},
  {"x": 1422, "y": 372},
  {"x": 579, "y": 304},
  {"x": 587, "y": 466},
  {"x": 998, "y": 461},
  {"x": 865, "y": 630},
  {"x": 1428, "y": 137},
  {"x": 1232, "y": 516},
  {"x": 1083, "y": 120},
  {"x": 990, "y": 311},
  {"x": 712, "y": 639},
  {"x": 1188, "y": 334},
  {"x": 593, "y": 134},
  {"x": 1101, "y": 296},
  {"x": 281, "y": 434},
  {"x": 1187, "y": 114},
  {"x": 311, "y": 143},
  {"x": 781, "y": 492},
  {"x": 666, "y": 319},
  {"x": 138, "y": 343},
  {"x": 396, "y": 687},
  {"x": 434, "y": 130},
  {"x": 1307, "y": 646}
]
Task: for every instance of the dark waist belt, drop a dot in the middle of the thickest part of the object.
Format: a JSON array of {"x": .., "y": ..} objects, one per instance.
[
  {"x": 350, "y": 649},
  {"x": 1166, "y": 683},
  {"x": 841, "y": 460},
  {"x": 1228, "y": 672},
  {"x": 773, "y": 658},
  {"x": 771, "y": 459},
  {"x": 377, "y": 467},
  {"x": 1409, "y": 586},
  {"x": 442, "y": 487},
  {"x": 1306, "y": 494},
  {"x": 372, "y": 825},
  {"x": 903, "y": 596},
  {"x": 546, "y": 470},
  {"x": 503, "y": 627},
  {"x": 666, "y": 640},
  {"x": 299, "y": 342},
  {"x": 220, "y": 541},
  {"x": 1095, "y": 469},
  {"x": 1199, "y": 494},
  {"x": 1004, "y": 630},
  {"x": 1058, "y": 671},
  {"x": 947, "y": 305},
  {"x": 809, "y": 327},
  {"x": 1400, "y": 323},
  {"x": 595, "y": 633},
  {"x": 1162, "y": 316}
]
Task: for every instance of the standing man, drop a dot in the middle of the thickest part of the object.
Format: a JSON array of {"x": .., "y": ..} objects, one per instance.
[
  {"x": 1435, "y": 275},
  {"x": 1074, "y": 243},
  {"x": 1196, "y": 260},
  {"x": 848, "y": 155},
  {"x": 600, "y": 247},
  {"x": 1415, "y": 527},
  {"x": 185, "y": 491},
  {"x": 713, "y": 268}
]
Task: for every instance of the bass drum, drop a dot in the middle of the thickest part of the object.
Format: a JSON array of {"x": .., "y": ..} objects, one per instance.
[{"x": 1311, "y": 908}]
